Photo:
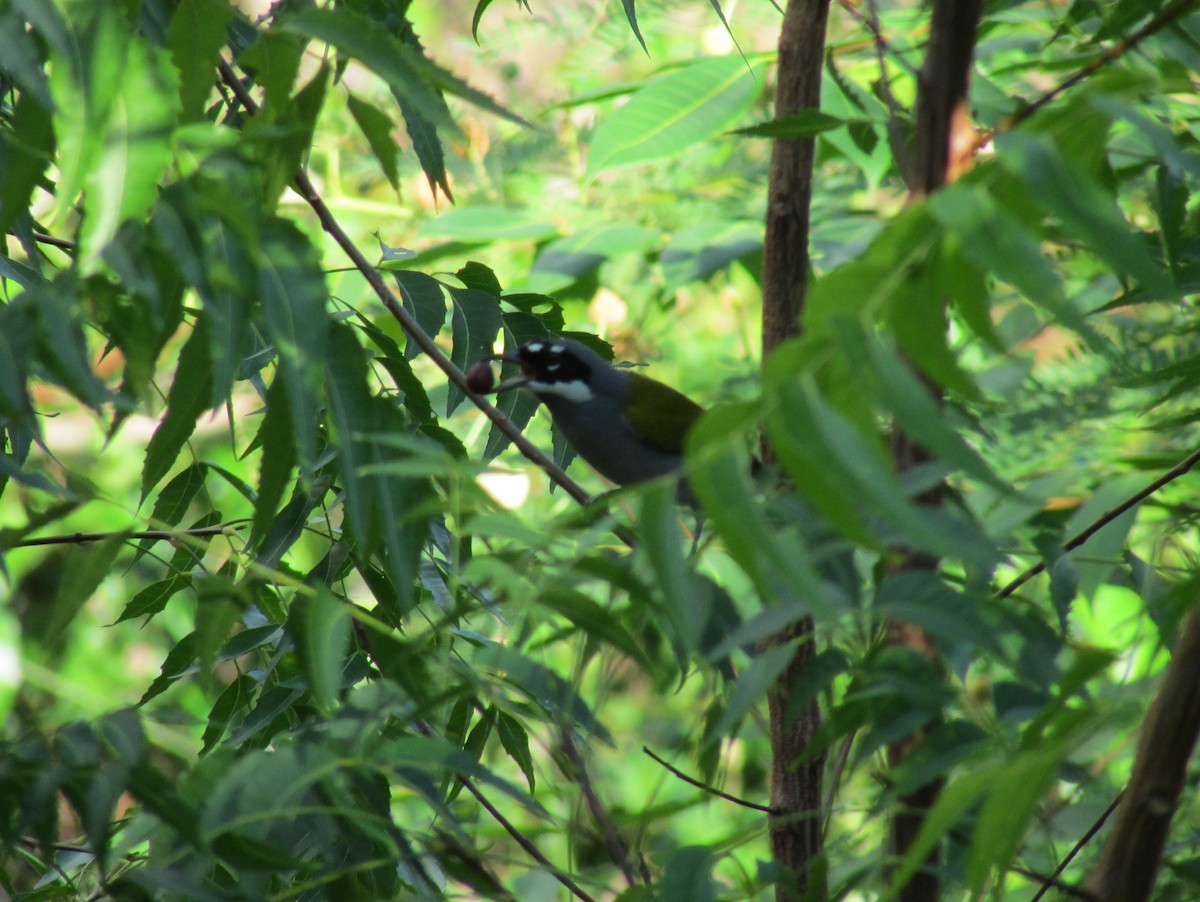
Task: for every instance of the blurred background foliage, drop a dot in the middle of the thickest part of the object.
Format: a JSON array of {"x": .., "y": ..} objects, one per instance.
[{"x": 398, "y": 629}]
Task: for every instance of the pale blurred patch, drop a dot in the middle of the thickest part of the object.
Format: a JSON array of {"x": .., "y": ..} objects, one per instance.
[
  {"x": 607, "y": 310},
  {"x": 509, "y": 489}
]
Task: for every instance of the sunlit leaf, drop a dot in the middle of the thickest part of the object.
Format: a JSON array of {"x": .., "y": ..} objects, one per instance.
[{"x": 674, "y": 112}]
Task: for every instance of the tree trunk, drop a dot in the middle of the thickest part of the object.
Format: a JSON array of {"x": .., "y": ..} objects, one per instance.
[{"x": 796, "y": 781}]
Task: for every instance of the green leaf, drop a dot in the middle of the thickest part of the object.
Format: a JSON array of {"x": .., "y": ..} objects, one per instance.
[
  {"x": 845, "y": 475},
  {"x": 231, "y": 703},
  {"x": 696, "y": 253},
  {"x": 196, "y": 35},
  {"x": 474, "y": 324},
  {"x": 479, "y": 277},
  {"x": 718, "y": 470},
  {"x": 122, "y": 180},
  {"x": 187, "y": 399},
  {"x": 83, "y": 569},
  {"x": 596, "y": 622},
  {"x": 179, "y": 662},
  {"x": 515, "y": 741},
  {"x": 544, "y": 688},
  {"x": 688, "y": 876},
  {"x": 904, "y": 395},
  {"x": 424, "y": 299},
  {"x": 376, "y": 127},
  {"x": 153, "y": 599},
  {"x": 292, "y": 287},
  {"x": 397, "y": 63},
  {"x": 1086, "y": 210},
  {"x": 319, "y": 625},
  {"x": 173, "y": 502},
  {"x": 674, "y": 112},
  {"x": 276, "y": 436},
  {"x": 998, "y": 242},
  {"x": 25, "y": 151},
  {"x": 380, "y": 504}
]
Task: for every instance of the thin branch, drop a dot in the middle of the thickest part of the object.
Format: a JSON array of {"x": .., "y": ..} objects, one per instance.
[
  {"x": 54, "y": 241},
  {"x": 1104, "y": 519},
  {"x": 710, "y": 789},
  {"x": 82, "y": 538},
  {"x": 612, "y": 837},
  {"x": 374, "y": 278},
  {"x": 525, "y": 843},
  {"x": 1052, "y": 880},
  {"x": 1116, "y": 51}
]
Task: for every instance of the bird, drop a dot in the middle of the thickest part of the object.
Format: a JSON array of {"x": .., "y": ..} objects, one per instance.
[{"x": 626, "y": 426}]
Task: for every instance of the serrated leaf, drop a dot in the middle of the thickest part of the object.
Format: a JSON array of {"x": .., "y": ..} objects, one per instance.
[
  {"x": 545, "y": 688},
  {"x": 194, "y": 38},
  {"x": 910, "y": 402},
  {"x": 595, "y": 621},
  {"x": 379, "y": 503},
  {"x": 121, "y": 181},
  {"x": 397, "y": 63},
  {"x": 173, "y": 501},
  {"x": 25, "y": 152},
  {"x": 179, "y": 662},
  {"x": 153, "y": 599},
  {"x": 515, "y": 741},
  {"x": 235, "y": 698},
  {"x": 276, "y": 435},
  {"x": 186, "y": 400},
  {"x": 84, "y": 567},
  {"x": 423, "y": 297},
  {"x": 474, "y": 323},
  {"x": 672, "y": 113},
  {"x": 292, "y": 287},
  {"x": 319, "y": 625},
  {"x": 718, "y": 470},
  {"x": 479, "y": 277},
  {"x": 376, "y": 127},
  {"x": 1086, "y": 210}
]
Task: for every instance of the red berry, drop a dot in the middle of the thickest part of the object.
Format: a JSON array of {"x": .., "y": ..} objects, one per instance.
[{"x": 479, "y": 377}]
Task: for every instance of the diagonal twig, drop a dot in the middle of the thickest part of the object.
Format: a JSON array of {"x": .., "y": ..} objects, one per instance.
[
  {"x": 1104, "y": 519},
  {"x": 374, "y": 278}
]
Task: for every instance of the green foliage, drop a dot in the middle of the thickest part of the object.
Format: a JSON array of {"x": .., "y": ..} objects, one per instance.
[{"x": 296, "y": 646}]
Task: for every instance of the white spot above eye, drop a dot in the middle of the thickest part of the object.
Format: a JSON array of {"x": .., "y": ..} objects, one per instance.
[
  {"x": 576, "y": 390},
  {"x": 557, "y": 349},
  {"x": 534, "y": 347}
]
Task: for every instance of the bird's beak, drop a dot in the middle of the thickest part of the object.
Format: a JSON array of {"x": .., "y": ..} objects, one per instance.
[{"x": 516, "y": 381}]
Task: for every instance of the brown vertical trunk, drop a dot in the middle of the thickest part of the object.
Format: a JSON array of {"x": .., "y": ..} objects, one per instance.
[
  {"x": 941, "y": 116},
  {"x": 1129, "y": 862},
  {"x": 796, "y": 781}
]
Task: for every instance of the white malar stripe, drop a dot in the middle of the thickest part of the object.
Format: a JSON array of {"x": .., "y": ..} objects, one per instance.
[{"x": 576, "y": 390}]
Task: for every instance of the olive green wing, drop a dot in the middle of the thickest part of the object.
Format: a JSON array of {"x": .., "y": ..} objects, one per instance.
[{"x": 660, "y": 414}]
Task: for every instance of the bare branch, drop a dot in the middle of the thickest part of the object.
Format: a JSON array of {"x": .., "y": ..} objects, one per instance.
[
  {"x": 374, "y": 278},
  {"x": 1105, "y": 518},
  {"x": 709, "y": 789},
  {"x": 617, "y": 850}
]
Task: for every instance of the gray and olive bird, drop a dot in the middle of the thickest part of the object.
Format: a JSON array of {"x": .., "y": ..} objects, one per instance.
[{"x": 628, "y": 427}]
